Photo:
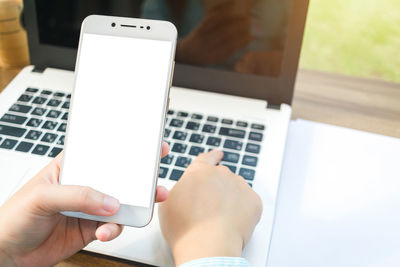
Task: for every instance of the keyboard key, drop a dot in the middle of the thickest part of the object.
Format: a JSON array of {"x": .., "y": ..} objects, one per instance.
[
  {"x": 197, "y": 116},
  {"x": 232, "y": 132},
  {"x": 253, "y": 148},
  {"x": 8, "y": 144},
  {"x": 58, "y": 94},
  {"x": 183, "y": 162},
  {"x": 39, "y": 111},
  {"x": 182, "y": 114},
  {"x": 31, "y": 90},
  {"x": 256, "y": 136},
  {"x": 11, "y": 131},
  {"x": 227, "y": 121},
  {"x": 65, "y": 116},
  {"x": 250, "y": 161},
  {"x": 176, "y": 123},
  {"x": 61, "y": 140},
  {"x": 178, "y": 135},
  {"x": 232, "y": 144},
  {"x": 46, "y": 92},
  {"x": 170, "y": 112},
  {"x": 25, "y": 98},
  {"x": 49, "y": 125},
  {"x": 207, "y": 128},
  {"x": 180, "y": 148},
  {"x": 231, "y": 157},
  {"x": 49, "y": 138},
  {"x": 232, "y": 168},
  {"x": 20, "y": 108},
  {"x": 54, "y": 152},
  {"x": 213, "y": 141},
  {"x": 33, "y": 135},
  {"x": 66, "y": 105},
  {"x": 40, "y": 150},
  {"x": 196, "y": 150},
  {"x": 13, "y": 119},
  {"x": 196, "y": 138},
  {"x": 191, "y": 125},
  {"x": 167, "y": 132},
  {"x": 24, "y": 147},
  {"x": 212, "y": 119},
  {"x": 176, "y": 175},
  {"x": 34, "y": 122},
  {"x": 242, "y": 124},
  {"x": 167, "y": 159},
  {"x": 53, "y": 114},
  {"x": 39, "y": 100},
  {"x": 247, "y": 174},
  {"x": 62, "y": 128},
  {"x": 54, "y": 103},
  {"x": 163, "y": 172},
  {"x": 69, "y": 96},
  {"x": 258, "y": 126}
]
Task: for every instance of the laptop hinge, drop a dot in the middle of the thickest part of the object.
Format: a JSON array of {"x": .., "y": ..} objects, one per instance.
[
  {"x": 39, "y": 69},
  {"x": 277, "y": 107}
]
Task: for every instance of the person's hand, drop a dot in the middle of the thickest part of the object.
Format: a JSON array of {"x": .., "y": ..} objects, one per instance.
[
  {"x": 210, "y": 212},
  {"x": 224, "y": 29},
  {"x": 34, "y": 233}
]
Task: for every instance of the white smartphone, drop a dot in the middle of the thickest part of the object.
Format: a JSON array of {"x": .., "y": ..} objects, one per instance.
[{"x": 118, "y": 108}]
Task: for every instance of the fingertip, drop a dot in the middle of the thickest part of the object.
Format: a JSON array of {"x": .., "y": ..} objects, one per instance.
[
  {"x": 110, "y": 204},
  {"x": 161, "y": 194},
  {"x": 108, "y": 231},
  {"x": 218, "y": 153},
  {"x": 165, "y": 149},
  {"x": 58, "y": 159},
  {"x": 213, "y": 157},
  {"x": 103, "y": 234}
]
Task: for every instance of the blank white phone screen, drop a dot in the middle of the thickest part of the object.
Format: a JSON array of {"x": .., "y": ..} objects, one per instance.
[{"x": 116, "y": 116}]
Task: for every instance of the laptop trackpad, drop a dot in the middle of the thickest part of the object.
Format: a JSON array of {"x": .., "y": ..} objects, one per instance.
[
  {"x": 15, "y": 171},
  {"x": 12, "y": 173}
]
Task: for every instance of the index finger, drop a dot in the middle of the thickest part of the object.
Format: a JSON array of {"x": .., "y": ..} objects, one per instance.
[{"x": 213, "y": 157}]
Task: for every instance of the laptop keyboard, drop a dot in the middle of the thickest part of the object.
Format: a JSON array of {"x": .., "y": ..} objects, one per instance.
[{"x": 37, "y": 122}]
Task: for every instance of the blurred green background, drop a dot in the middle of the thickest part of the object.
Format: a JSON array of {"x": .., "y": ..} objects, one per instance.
[{"x": 353, "y": 37}]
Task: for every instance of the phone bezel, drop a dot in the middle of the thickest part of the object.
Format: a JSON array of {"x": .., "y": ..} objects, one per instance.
[{"x": 125, "y": 27}]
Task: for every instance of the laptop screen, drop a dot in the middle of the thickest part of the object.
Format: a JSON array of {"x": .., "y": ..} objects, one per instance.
[
  {"x": 223, "y": 45},
  {"x": 245, "y": 36}
]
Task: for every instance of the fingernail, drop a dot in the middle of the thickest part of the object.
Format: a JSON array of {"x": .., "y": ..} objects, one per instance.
[
  {"x": 106, "y": 234},
  {"x": 110, "y": 204}
]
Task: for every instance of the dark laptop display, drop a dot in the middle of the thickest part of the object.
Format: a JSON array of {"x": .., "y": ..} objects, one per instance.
[{"x": 241, "y": 47}]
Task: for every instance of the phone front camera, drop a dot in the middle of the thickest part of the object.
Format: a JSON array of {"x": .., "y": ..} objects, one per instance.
[
  {"x": 113, "y": 24},
  {"x": 148, "y": 28}
]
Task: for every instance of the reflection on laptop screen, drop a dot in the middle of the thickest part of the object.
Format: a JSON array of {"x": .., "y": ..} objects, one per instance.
[{"x": 245, "y": 36}]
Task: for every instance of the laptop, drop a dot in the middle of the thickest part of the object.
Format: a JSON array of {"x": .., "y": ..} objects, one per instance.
[{"x": 233, "y": 86}]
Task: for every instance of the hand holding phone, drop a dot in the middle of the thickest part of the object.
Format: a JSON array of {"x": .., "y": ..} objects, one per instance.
[{"x": 118, "y": 108}]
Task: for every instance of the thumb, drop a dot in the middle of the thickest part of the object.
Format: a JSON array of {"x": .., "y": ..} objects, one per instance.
[
  {"x": 55, "y": 198},
  {"x": 213, "y": 157}
]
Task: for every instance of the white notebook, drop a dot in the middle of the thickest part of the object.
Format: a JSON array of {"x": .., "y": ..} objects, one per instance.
[{"x": 339, "y": 199}]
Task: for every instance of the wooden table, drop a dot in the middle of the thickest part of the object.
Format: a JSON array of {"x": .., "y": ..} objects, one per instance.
[{"x": 362, "y": 104}]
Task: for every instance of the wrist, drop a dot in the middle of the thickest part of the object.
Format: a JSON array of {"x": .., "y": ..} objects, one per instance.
[{"x": 206, "y": 242}]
